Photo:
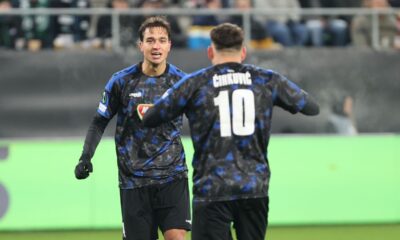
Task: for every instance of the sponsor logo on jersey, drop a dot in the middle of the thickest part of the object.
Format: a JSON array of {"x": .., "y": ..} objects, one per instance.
[
  {"x": 136, "y": 94},
  {"x": 142, "y": 109},
  {"x": 189, "y": 221}
]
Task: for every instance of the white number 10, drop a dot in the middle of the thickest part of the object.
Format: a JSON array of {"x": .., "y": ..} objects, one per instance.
[{"x": 243, "y": 112}]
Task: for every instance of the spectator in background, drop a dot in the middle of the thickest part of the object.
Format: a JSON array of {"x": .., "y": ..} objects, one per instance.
[
  {"x": 10, "y": 26},
  {"x": 178, "y": 36},
  {"x": 82, "y": 22},
  {"x": 326, "y": 30},
  {"x": 36, "y": 29},
  {"x": 69, "y": 29},
  {"x": 286, "y": 29},
  {"x": 336, "y": 41},
  {"x": 394, "y": 3},
  {"x": 199, "y": 32},
  {"x": 341, "y": 120},
  {"x": 361, "y": 29},
  {"x": 260, "y": 38},
  {"x": 208, "y": 20},
  {"x": 128, "y": 27}
]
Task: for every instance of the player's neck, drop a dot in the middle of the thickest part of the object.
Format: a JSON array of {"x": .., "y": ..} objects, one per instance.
[
  {"x": 153, "y": 69},
  {"x": 224, "y": 59}
]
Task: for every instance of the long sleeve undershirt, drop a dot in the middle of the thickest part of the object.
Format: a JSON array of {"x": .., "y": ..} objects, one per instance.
[{"x": 93, "y": 136}]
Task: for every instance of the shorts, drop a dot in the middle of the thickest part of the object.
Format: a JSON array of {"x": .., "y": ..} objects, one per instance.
[
  {"x": 212, "y": 220},
  {"x": 165, "y": 206}
]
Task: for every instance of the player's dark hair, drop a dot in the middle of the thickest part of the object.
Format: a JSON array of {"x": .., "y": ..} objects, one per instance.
[
  {"x": 155, "y": 21},
  {"x": 227, "y": 36}
]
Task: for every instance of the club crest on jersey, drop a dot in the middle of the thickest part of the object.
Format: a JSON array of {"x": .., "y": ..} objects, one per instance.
[{"x": 142, "y": 109}]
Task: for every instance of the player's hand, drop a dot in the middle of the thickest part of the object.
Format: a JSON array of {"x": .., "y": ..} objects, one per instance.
[{"x": 83, "y": 169}]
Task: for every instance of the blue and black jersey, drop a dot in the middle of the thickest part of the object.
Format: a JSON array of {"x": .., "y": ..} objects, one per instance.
[
  {"x": 146, "y": 156},
  {"x": 229, "y": 107}
]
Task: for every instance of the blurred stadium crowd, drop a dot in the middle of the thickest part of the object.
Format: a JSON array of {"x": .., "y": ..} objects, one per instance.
[{"x": 65, "y": 31}]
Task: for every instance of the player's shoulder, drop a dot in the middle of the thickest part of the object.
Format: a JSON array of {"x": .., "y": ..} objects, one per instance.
[
  {"x": 174, "y": 70},
  {"x": 263, "y": 75},
  {"x": 120, "y": 76},
  {"x": 126, "y": 71},
  {"x": 260, "y": 70},
  {"x": 201, "y": 72},
  {"x": 193, "y": 75}
]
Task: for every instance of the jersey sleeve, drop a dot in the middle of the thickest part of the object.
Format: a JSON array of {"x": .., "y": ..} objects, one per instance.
[
  {"x": 171, "y": 105},
  {"x": 110, "y": 100},
  {"x": 288, "y": 95}
]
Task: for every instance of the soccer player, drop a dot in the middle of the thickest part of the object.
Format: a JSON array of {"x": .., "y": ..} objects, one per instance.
[
  {"x": 229, "y": 106},
  {"x": 151, "y": 162}
]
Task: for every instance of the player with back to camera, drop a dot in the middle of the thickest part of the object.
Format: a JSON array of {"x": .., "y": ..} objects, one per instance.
[
  {"x": 151, "y": 162},
  {"x": 229, "y": 107}
]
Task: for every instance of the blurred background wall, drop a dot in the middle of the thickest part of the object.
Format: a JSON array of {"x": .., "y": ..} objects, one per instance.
[{"x": 55, "y": 93}]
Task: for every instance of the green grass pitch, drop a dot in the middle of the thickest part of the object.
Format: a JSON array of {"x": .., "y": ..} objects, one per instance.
[{"x": 340, "y": 232}]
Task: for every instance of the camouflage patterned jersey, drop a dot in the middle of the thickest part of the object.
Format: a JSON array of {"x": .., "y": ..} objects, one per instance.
[
  {"x": 229, "y": 107},
  {"x": 146, "y": 156}
]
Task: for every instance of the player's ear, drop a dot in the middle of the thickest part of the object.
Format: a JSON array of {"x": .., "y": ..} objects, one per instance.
[
  {"x": 139, "y": 45},
  {"x": 210, "y": 53},
  {"x": 169, "y": 46},
  {"x": 243, "y": 53}
]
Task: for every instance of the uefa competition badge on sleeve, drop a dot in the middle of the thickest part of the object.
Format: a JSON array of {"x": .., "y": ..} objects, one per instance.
[
  {"x": 142, "y": 109},
  {"x": 103, "y": 102}
]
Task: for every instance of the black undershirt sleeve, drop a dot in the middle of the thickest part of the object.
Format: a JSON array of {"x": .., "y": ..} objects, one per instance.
[
  {"x": 93, "y": 136},
  {"x": 311, "y": 108}
]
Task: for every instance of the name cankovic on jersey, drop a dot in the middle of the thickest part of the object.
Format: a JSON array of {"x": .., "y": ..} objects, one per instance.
[{"x": 232, "y": 78}]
